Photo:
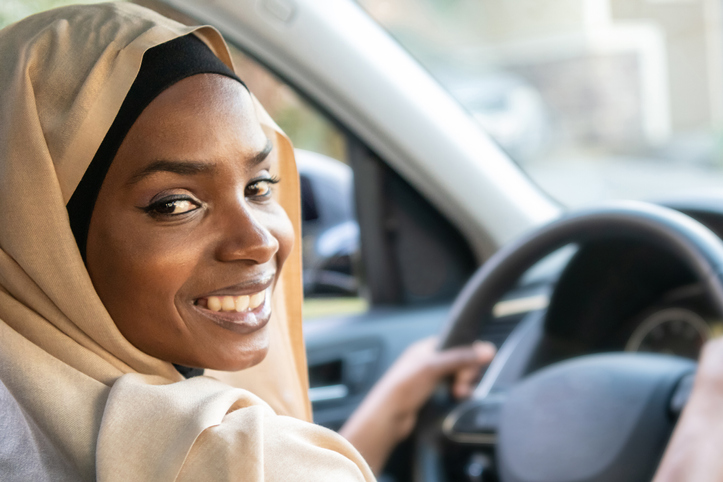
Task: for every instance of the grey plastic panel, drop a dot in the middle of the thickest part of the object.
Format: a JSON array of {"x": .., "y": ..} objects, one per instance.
[{"x": 367, "y": 344}]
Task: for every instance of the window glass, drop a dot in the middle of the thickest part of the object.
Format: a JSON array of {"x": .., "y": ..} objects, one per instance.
[{"x": 595, "y": 99}]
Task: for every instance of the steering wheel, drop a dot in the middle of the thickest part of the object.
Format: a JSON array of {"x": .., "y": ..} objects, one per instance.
[{"x": 592, "y": 418}]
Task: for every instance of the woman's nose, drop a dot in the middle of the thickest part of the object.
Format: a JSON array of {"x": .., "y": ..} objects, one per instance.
[{"x": 246, "y": 237}]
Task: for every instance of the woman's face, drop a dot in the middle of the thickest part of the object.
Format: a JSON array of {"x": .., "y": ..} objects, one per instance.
[{"x": 186, "y": 239}]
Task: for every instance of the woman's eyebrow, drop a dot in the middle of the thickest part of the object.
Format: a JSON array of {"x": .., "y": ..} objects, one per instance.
[
  {"x": 263, "y": 154},
  {"x": 184, "y": 168},
  {"x": 189, "y": 168}
]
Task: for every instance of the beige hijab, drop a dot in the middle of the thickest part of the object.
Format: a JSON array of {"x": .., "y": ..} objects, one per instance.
[{"x": 114, "y": 412}]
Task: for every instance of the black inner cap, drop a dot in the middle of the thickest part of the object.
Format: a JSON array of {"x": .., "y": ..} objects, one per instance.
[{"x": 162, "y": 66}]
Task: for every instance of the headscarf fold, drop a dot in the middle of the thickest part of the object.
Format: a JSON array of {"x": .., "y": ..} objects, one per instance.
[{"x": 114, "y": 412}]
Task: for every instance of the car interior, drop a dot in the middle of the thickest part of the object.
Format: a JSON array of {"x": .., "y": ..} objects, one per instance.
[
  {"x": 604, "y": 283},
  {"x": 568, "y": 296}
]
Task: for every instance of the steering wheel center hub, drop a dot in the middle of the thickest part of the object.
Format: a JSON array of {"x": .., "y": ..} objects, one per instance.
[{"x": 589, "y": 419}]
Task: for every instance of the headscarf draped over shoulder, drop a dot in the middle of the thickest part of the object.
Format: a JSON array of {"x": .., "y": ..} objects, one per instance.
[{"x": 112, "y": 411}]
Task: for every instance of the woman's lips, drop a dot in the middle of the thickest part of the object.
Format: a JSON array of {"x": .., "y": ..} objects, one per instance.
[{"x": 241, "y": 314}]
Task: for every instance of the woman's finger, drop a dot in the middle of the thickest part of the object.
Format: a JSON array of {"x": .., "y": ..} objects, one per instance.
[{"x": 452, "y": 360}]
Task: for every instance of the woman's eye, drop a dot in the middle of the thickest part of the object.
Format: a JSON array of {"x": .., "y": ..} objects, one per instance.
[
  {"x": 260, "y": 188},
  {"x": 172, "y": 207}
]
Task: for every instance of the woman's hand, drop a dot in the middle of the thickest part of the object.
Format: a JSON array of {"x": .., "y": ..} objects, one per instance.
[
  {"x": 694, "y": 451},
  {"x": 388, "y": 413}
]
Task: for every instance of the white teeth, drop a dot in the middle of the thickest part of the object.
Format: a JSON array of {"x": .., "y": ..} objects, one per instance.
[
  {"x": 214, "y": 303},
  {"x": 242, "y": 303},
  {"x": 235, "y": 303},
  {"x": 228, "y": 303},
  {"x": 256, "y": 299}
]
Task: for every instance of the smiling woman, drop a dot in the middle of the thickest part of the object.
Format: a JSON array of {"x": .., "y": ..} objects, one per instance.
[
  {"x": 150, "y": 214},
  {"x": 166, "y": 163}
]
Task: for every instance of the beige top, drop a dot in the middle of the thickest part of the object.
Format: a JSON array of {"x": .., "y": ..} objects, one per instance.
[{"x": 116, "y": 413}]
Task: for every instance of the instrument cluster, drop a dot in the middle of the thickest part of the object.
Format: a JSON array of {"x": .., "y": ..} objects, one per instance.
[{"x": 679, "y": 328}]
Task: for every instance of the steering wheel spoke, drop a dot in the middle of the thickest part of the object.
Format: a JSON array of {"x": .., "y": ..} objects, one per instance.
[{"x": 475, "y": 421}]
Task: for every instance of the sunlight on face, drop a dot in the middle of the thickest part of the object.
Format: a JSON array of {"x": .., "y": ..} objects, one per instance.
[{"x": 186, "y": 239}]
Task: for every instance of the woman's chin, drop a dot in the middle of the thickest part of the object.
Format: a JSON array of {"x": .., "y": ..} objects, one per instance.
[
  {"x": 247, "y": 354},
  {"x": 248, "y": 360}
]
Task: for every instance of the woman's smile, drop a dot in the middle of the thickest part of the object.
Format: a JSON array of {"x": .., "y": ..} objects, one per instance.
[{"x": 243, "y": 308}]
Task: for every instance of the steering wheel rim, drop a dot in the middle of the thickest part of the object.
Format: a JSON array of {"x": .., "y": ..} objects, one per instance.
[{"x": 699, "y": 248}]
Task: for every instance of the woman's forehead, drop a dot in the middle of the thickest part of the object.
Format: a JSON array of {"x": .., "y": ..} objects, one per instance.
[{"x": 202, "y": 118}]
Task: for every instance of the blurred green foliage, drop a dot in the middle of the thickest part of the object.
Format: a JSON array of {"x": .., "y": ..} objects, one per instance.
[
  {"x": 309, "y": 130},
  {"x": 14, "y": 10}
]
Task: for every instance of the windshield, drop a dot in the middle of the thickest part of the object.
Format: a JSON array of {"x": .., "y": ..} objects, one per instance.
[{"x": 594, "y": 99}]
